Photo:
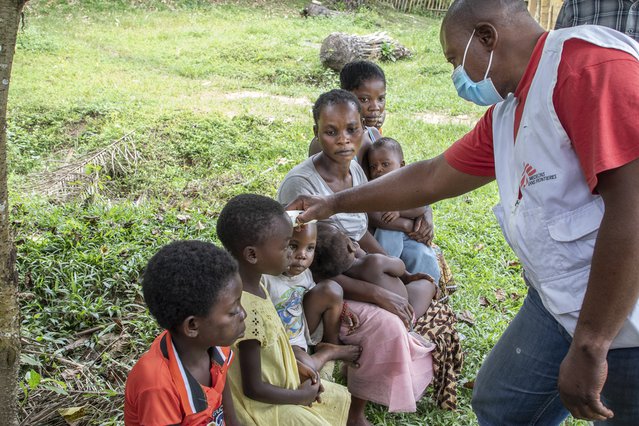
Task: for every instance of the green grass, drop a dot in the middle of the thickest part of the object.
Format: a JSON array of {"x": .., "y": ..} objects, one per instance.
[{"x": 218, "y": 97}]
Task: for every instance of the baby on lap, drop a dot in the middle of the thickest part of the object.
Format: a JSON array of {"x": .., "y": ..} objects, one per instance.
[{"x": 337, "y": 254}]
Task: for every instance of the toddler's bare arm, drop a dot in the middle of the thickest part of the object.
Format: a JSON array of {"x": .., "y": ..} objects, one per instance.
[
  {"x": 401, "y": 224},
  {"x": 413, "y": 213}
]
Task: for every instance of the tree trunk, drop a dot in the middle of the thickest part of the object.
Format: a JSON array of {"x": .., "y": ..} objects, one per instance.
[
  {"x": 338, "y": 49},
  {"x": 10, "y": 11}
]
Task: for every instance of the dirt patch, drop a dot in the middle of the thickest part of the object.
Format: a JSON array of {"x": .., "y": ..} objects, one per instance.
[
  {"x": 310, "y": 44},
  {"x": 437, "y": 118},
  {"x": 75, "y": 129},
  {"x": 255, "y": 95}
]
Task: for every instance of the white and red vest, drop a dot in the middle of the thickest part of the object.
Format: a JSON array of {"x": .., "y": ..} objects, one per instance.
[{"x": 547, "y": 213}]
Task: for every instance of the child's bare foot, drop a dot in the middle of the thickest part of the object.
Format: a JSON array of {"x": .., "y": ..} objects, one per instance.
[
  {"x": 358, "y": 421},
  {"x": 325, "y": 352},
  {"x": 346, "y": 353},
  {"x": 356, "y": 416}
]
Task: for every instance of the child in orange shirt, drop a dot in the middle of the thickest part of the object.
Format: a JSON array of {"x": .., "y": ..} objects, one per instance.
[{"x": 193, "y": 290}]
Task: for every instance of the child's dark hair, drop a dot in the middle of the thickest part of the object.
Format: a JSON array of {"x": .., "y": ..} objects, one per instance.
[
  {"x": 357, "y": 72},
  {"x": 334, "y": 97},
  {"x": 389, "y": 144},
  {"x": 185, "y": 278},
  {"x": 247, "y": 220},
  {"x": 331, "y": 253}
]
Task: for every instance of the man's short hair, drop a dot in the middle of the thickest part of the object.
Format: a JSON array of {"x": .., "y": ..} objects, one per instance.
[{"x": 469, "y": 12}]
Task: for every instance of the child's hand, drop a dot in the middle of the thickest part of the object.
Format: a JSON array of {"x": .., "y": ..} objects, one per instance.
[
  {"x": 310, "y": 392},
  {"x": 307, "y": 373},
  {"x": 349, "y": 318},
  {"x": 409, "y": 278},
  {"x": 318, "y": 398},
  {"x": 389, "y": 217}
]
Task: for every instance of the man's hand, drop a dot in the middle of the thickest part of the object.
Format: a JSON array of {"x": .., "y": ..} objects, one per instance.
[
  {"x": 581, "y": 378},
  {"x": 314, "y": 206},
  {"x": 423, "y": 230},
  {"x": 388, "y": 217}
]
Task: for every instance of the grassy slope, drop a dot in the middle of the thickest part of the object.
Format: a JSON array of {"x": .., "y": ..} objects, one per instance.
[{"x": 185, "y": 79}]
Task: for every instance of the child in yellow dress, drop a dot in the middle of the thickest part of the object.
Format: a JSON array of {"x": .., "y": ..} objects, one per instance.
[{"x": 265, "y": 383}]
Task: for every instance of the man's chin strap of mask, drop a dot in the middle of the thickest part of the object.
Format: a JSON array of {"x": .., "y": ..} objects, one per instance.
[{"x": 483, "y": 92}]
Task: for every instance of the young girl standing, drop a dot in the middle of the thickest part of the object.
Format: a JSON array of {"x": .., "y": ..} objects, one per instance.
[{"x": 266, "y": 386}]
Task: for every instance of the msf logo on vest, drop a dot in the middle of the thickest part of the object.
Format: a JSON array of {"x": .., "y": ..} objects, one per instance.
[{"x": 529, "y": 177}]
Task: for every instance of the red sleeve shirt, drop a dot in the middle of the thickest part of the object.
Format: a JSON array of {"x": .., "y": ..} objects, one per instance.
[
  {"x": 596, "y": 99},
  {"x": 473, "y": 153},
  {"x": 153, "y": 393}
]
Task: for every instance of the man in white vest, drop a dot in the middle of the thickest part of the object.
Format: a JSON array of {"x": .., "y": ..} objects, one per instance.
[{"x": 562, "y": 141}]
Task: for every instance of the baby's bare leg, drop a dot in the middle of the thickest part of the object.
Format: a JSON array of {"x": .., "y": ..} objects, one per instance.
[
  {"x": 324, "y": 303},
  {"x": 420, "y": 295},
  {"x": 325, "y": 352}
]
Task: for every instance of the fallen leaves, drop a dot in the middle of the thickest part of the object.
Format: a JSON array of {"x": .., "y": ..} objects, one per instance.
[
  {"x": 72, "y": 415},
  {"x": 499, "y": 300},
  {"x": 466, "y": 317},
  {"x": 183, "y": 218}
]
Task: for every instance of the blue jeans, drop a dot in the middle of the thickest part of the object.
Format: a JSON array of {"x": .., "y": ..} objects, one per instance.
[
  {"x": 517, "y": 383},
  {"x": 418, "y": 257}
]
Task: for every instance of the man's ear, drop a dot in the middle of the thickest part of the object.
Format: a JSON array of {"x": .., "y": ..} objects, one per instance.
[
  {"x": 190, "y": 327},
  {"x": 487, "y": 35},
  {"x": 402, "y": 163},
  {"x": 250, "y": 254},
  {"x": 315, "y": 130}
]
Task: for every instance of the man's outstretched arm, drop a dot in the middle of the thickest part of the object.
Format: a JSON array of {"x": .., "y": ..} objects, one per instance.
[{"x": 415, "y": 185}]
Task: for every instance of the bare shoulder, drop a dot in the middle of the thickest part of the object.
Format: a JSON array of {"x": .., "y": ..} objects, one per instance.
[{"x": 375, "y": 261}]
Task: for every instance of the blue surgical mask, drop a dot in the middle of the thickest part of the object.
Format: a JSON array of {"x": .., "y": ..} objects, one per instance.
[{"x": 482, "y": 93}]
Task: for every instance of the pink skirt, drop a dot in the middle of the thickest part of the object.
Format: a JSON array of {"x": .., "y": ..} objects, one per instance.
[{"x": 395, "y": 368}]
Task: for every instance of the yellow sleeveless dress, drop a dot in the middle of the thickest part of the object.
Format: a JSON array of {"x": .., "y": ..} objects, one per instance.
[{"x": 279, "y": 368}]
